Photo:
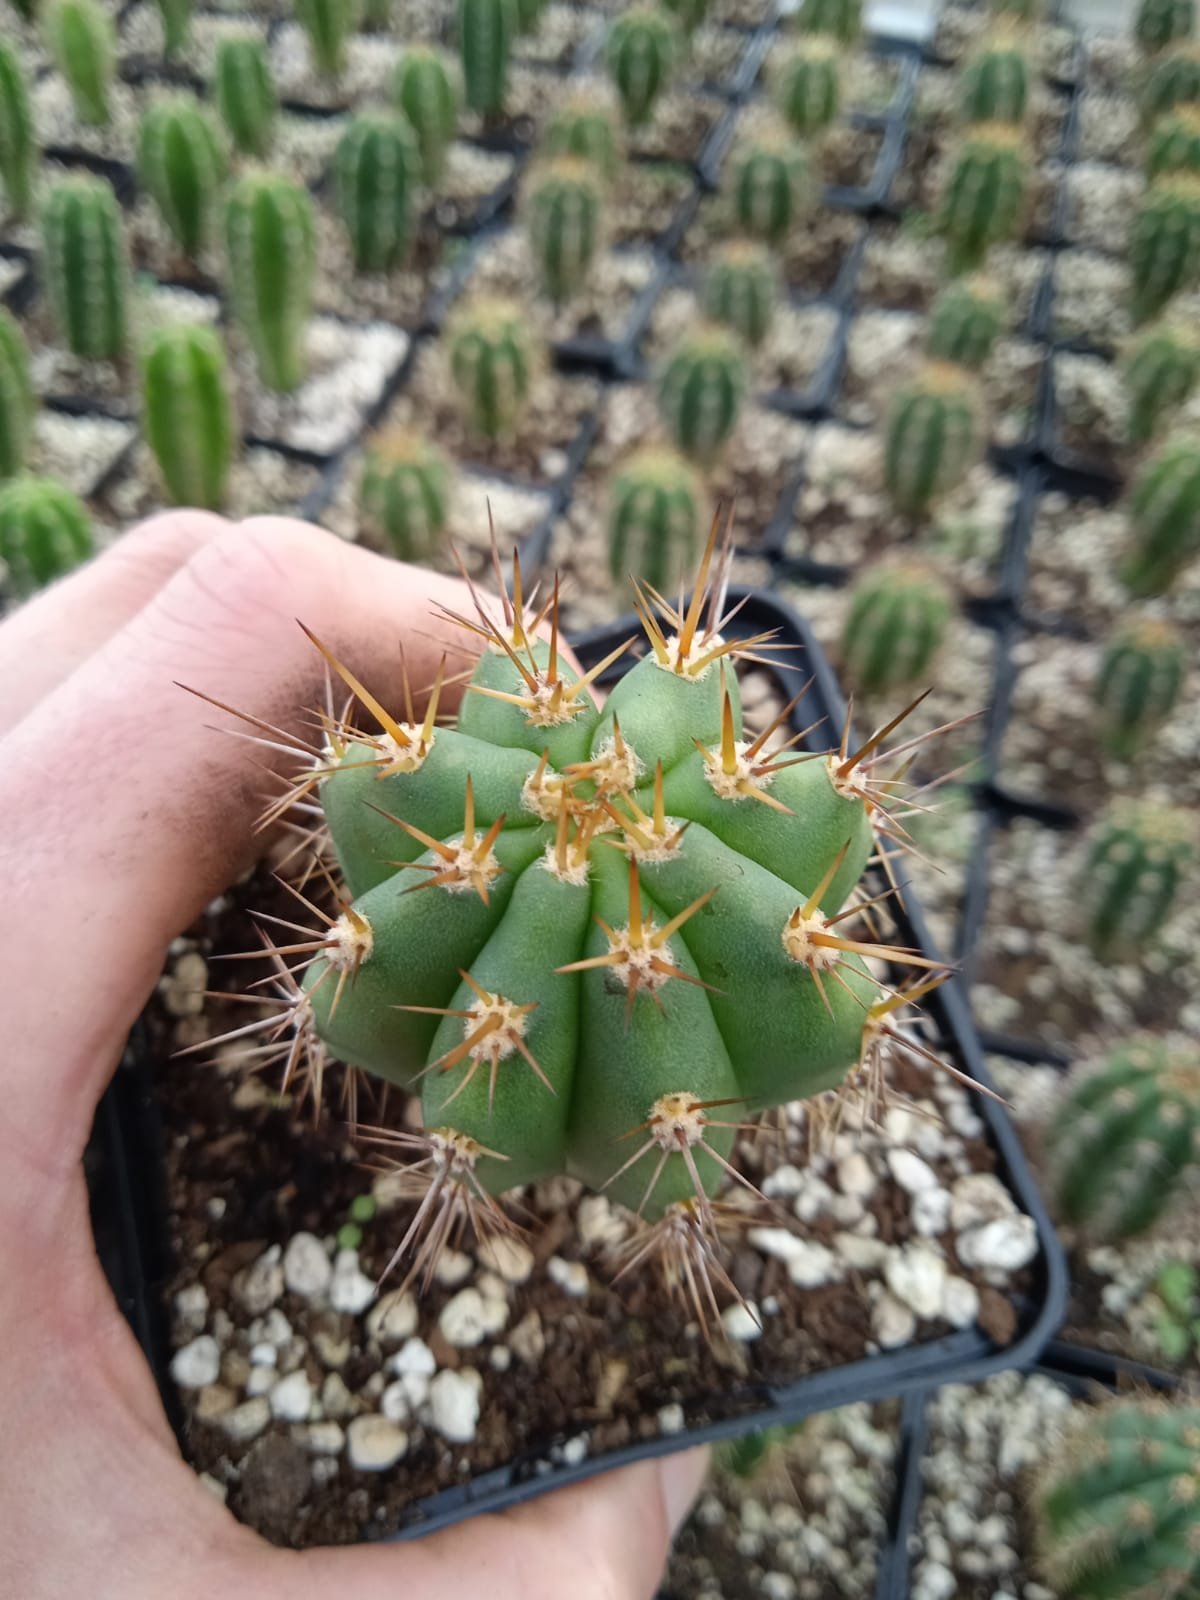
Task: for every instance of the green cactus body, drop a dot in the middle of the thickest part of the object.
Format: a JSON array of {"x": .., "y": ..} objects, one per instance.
[
  {"x": 376, "y": 172},
  {"x": 328, "y": 24},
  {"x": 1160, "y": 375},
  {"x": 1173, "y": 82},
  {"x": 485, "y": 37},
  {"x": 377, "y": 15},
  {"x": 18, "y": 144},
  {"x": 16, "y": 397},
  {"x": 806, "y": 86},
  {"x": 741, "y": 287},
  {"x": 995, "y": 85},
  {"x": 700, "y": 391},
  {"x": 772, "y": 186},
  {"x": 181, "y": 165},
  {"x": 1135, "y": 864},
  {"x": 641, "y": 52},
  {"x": 895, "y": 626},
  {"x": 934, "y": 435},
  {"x": 406, "y": 495},
  {"x": 841, "y": 19},
  {"x": 186, "y": 413},
  {"x": 689, "y": 14},
  {"x": 493, "y": 361},
  {"x": 44, "y": 532},
  {"x": 80, "y": 38},
  {"x": 984, "y": 201},
  {"x": 177, "y": 24},
  {"x": 1164, "y": 250},
  {"x": 1141, "y": 674},
  {"x": 86, "y": 269},
  {"x": 245, "y": 94},
  {"x": 964, "y": 323},
  {"x": 563, "y": 218},
  {"x": 427, "y": 98},
  {"x": 1164, "y": 512},
  {"x": 1161, "y": 23},
  {"x": 270, "y": 240},
  {"x": 657, "y": 519},
  {"x": 529, "y": 14},
  {"x": 585, "y": 128},
  {"x": 1174, "y": 144}
]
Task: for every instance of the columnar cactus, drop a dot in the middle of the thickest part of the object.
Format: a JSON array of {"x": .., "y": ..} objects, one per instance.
[
  {"x": 377, "y": 15},
  {"x": 176, "y": 22},
  {"x": 406, "y": 494},
  {"x": 806, "y": 86},
  {"x": 772, "y": 185},
  {"x": 984, "y": 201},
  {"x": 86, "y": 268},
  {"x": 1160, "y": 375},
  {"x": 741, "y": 286},
  {"x": 1164, "y": 248},
  {"x": 1164, "y": 515},
  {"x": 564, "y": 217},
  {"x": 427, "y": 98},
  {"x": 995, "y": 84},
  {"x": 964, "y": 323},
  {"x": 187, "y": 416},
  {"x": 181, "y": 164},
  {"x": 81, "y": 40},
  {"x": 1136, "y": 860},
  {"x": 641, "y": 52},
  {"x": 584, "y": 127},
  {"x": 376, "y": 173},
  {"x": 934, "y": 435},
  {"x": 1174, "y": 144},
  {"x": 895, "y": 626},
  {"x": 842, "y": 19},
  {"x": 270, "y": 240},
  {"x": 689, "y": 14},
  {"x": 1141, "y": 673},
  {"x": 657, "y": 519},
  {"x": 493, "y": 361},
  {"x": 18, "y": 144},
  {"x": 1173, "y": 81},
  {"x": 16, "y": 396},
  {"x": 1160, "y": 23},
  {"x": 700, "y": 391},
  {"x": 245, "y": 94},
  {"x": 485, "y": 36},
  {"x": 44, "y": 532},
  {"x": 328, "y": 24},
  {"x": 529, "y": 14}
]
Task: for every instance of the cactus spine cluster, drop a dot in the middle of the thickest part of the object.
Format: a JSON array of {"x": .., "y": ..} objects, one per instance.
[
  {"x": 966, "y": 320},
  {"x": 44, "y": 532},
  {"x": 427, "y": 98},
  {"x": 841, "y": 19},
  {"x": 740, "y": 289},
  {"x": 181, "y": 164},
  {"x": 563, "y": 218},
  {"x": 406, "y": 494},
  {"x": 187, "y": 416},
  {"x": 995, "y": 85},
  {"x": 376, "y": 173},
  {"x": 1174, "y": 144},
  {"x": 807, "y": 86},
  {"x": 984, "y": 201},
  {"x": 18, "y": 145},
  {"x": 657, "y": 519},
  {"x": 1173, "y": 81},
  {"x": 1134, "y": 867},
  {"x": 177, "y": 22},
  {"x": 895, "y": 626},
  {"x": 585, "y": 128},
  {"x": 1160, "y": 23},
  {"x": 16, "y": 397},
  {"x": 1164, "y": 513},
  {"x": 772, "y": 185},
  {"x": 1141, "y": 674},
  {"x": 493, "y": 361},
  {"x": 86, "y": 269},
  {"x": 328, "y": 24},
  {"x": 1164, "y": 249},
  {"x": 934, "y": 435},
  {"x": 700, "y": 391},
  {"x": 270, "y": 241},
  {"x": 81, "y": 40},
  {"x": 485, "y": 37},
  {"x": 1159, "y": 376},
  {"x": 245, "y": 94},
  {"x": 641, "y": 52}
]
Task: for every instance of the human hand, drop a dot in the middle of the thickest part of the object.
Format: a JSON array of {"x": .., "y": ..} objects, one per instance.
[{"x": 123, "y": 816}]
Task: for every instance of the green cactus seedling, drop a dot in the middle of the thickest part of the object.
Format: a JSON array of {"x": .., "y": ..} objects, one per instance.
[
  {"x": 529, "y": 15},
  {"x": 964, "y": 323},
  {"x": 657, "y": 519},
  {"x": 700, "y": 391},
  {"x": 1174, "y": 144},
  {"x": 934, "y": 435},
  {"x": 995, "y": 85},
  {"x": 741, "y": 287},
  {"x": 427, "y": 97},
  {"x": 1172, "y": 82},
  {"x": 1164, "y": 514},
  {"x": 1160, "y": 375},
  {"x": 494, "y": 359},
  {"x": 18, "y": 143},
  {"x": 895, "y": 626},
  {"x": 86, "y": 268},
  {"x": 181, "y": 164},
  {"x": 584, "y": 127},
  {"x": 1162, "y": 23},
  {"x": 245, "y": 94},
  {"x": 1141, "y": 674},
  {"x": 1164, "y": 249},
  {"x": 984, "y": 200},
  {"x": 270, "y": 241},
  {"x": 328, "y": 24},
  {"x": 16, "y": 396},
  {"x": 376, "y": 170},
  {"x": 187, "y": 416},
  {"x": 772, "y": 185},
  {"x": 806, "y": 86},
  {"x": 81, "y": 40},
  {"x": 44, "y": 532},
  {"x": 1177, "y": 1326},
  {"x": 176, "y": 18},
  {"x": 564, "y": 215},
  {"x": 1135, "y": 865},
  {"x": 485, "y": 36},
  {"x": 641, "y": 53},
  {"x": 689, "y": 14},
  {"x": 406, "y": 494},
  {"x": 841, "y": 19}
]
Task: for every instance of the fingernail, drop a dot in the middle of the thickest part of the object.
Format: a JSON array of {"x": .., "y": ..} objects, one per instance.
[{"x": 681, "y": 1477}]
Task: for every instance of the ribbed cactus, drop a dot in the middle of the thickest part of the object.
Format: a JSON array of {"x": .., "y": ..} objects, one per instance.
[
  {"x": 376, "y": 170},
  {"x": 1136, "y": 861},
  {"x": 772, "y": 184},
  {"x": 1174, "y": 144},
  {"x": 16, "y": 396},
  {"x": 1164, "y": 517},
  {"x": 177, "y": 22},
  {"x": 187, "y": 416},
  {"x": 641, "y": 52},
  {"x": 806, "y": 86},
  {"x": 895, "y": 625},
  {"x": 1160, "y": 23},
  {"x": 995, "y": 84},
  {"x": 81, "y": 40},
  {"x": 1160, "y": 375},
  {"x": 485, "y": 37},
  {"x": 85, "y": 265},
  {"x": 270, "y": 241},
  {"x": 741, "y": 287},
  {"x": 700, "y": 391},
  {"x": 564, "y": 216},
  {"x": 1137, "y": 687},
  {"x": 657, "y": 519},
  {"x": 984, "y": 200},
  {"x": 328, "y": 24},
  {"x": 44, "y": 532},
  {"x": 529, "y": 14},
  {"x": 181, "y": 164},
  {"x": 18, "y": 143},
  {"x": 689, "y": 14},
  {"x": 841, "y": 19},
  {"x": 964, "y": 323},
  {"x": 406, "y": 494},
  {"x": 584, "y": 127},
  {"x": 493, "y": 360},
  {"x": 1164, "y": 247},
  {"x": 934, "y": 435},
  {"x": 245, "y": 94},
  {"x": 1173, "y": 81},
  {"x": 426, "y": 96}
]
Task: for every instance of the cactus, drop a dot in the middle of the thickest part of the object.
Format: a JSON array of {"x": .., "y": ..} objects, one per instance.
[
  {"x": 16, "y": 397},
  {"x": 18, "y": 144},
  {"x": 427, "y": 98},
  {"x": 44, "y": 532},
  {"x": 585, "y": 128},
  {"x": 1172, "y": 82},
  {"x": 564, "y": 220},
  {"x": 485, "y": 36},
  {"x": 772, "y": 185},
  {"x": 1141, "y": 673},
  {"x": 1160, "y": 375},
  {"x": 328, "y": 24},
  {"x": 270, "y": 239},
  {"x": 934, "y": 434},
  {"x": 740, "y": 289},
  {"x": 246, "y": 94},
  {"x": 181, "y": 164},
  {"x": 1164, "y": 515},
  {"x": 689, "y": 14},
  {"x": 186, "y": 413},
  {"x": 894, "y": 626},
  {"x": 806, "y": 86},
  {"x": 376, "y": 172},
  {"x": 841, "y": 19},
  {"x": 1174, "y": 144},
  {"x": 176, "y": 22},
  {"x": 1164, "y": 248},
  {"x": 657, "y": 519},
  {"x": 1135, "y": 864},
  {"x": 86, "y": 269},
  {"x": 1160, "y": 23},
  {"x": 377, "y": 15},
  {"x": 701, "y": 389},
  {"x": 81, "y": 40},
  {"x": 995, "y": 84},
  {"x": 984, "y": 201},
  {"x": 641, "y": 52},
  {"x": 406, "y": 494},
  {"x": 529, "y": 14},
  {"x": 966, "y": 320},
  {"x": 493, "y": 361}
]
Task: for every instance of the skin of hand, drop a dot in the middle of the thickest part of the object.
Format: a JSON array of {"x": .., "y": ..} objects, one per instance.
[{"x": 123, "y": 815}]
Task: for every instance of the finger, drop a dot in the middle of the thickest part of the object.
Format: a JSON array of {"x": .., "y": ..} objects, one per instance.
[{"x": 44, "y": 641}]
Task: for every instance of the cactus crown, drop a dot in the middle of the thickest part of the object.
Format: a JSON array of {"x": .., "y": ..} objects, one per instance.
[
  {"x": 245, "y": 94},
  {"x": 376, "y": 172},
  {"x": 966, "y": 320},
  {"x": 934, "y": 434},
  {"x": 641, "y": 51},
  {"x": 1164, "y": 513},
  {"x": 18, "y": 144},
  {"x": 16, "y": 396},
  {"x": 1160, "y": 373},
  {"x": 895, "y": 625},
  {"x": 701, "y": 389},
  {"x": 564, "y": 216},
  {"x": 995, "y": 86},
  {"x": 1141, "y": 673},
  {"x": 586, "y": 128},
  {"x": 984, "y": 201},
  {"x": 772, "y": 184},
  {"x": 406, "y": 493},
  {"x": 270, "y": 240},
  {"x": 82, "y": 42},
  {"x": 1164, "y": 250},
  {"x": 186, "y": 413},
  {"x": 485, "y": 35},
  {"x": 86, "y": 270},
  {"x": 181, "y": 164},
  {"x": 44, "y": 532},
  {"x": 740, "y": 289},
  {"x": 841, "y": 19},
  {"x": 493, "y": 361},
  {"x": 657, "y": 517},
  {"x": 427, "y": 96},
  {"x": 1160, "y": 23},
  {"x": 1135, "y": 864},
  {"x": 807, "y": 85}
]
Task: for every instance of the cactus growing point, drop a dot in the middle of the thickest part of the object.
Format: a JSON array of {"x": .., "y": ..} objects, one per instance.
[
  {"x": 181, "y": 165},
  {"x": 426, "y": 95},
  {"x": 245, "y": 94},
  {"x": 406, "y": 494},
  {"x": 187, "y": 416},
  {"x": 44, "y": 532},
  {"x": 18, "y": 143},
  {"x": 81, "y": 40},
  {"x": 270, "y": 240}
]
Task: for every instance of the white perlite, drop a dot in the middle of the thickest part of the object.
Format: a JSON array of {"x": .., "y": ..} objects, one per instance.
[
  {"x": 197, "y": 1364},
  {"x": 247, "y": 1421},
  {"x": 322, "y": 1438},
  {"x": 350, "y": 1289},
  {"x": 373, "y": 1444},
  {"x": 260, "y": 1285},
  {"x": 393, "y": 1317},
  {"x": 291, "y": 1398},
  {"x": 510, "y": 1259},
  {"x": 454, "y": 1404},
  {"x": 470, "y": 1318},
  {"x": 1004, "y": 1245},
  {"x": 599, "y": 1225},
  {"x": 570, "y": 1276},
  {"x": 307, "y": 1269},
  {"x": 910, "y": 1172},
  {"x": 892, "y": 1322},
  {"x": 742, "y": 1322},
  {"x": 808, "y": 1264},
  {"x": 671, "y": 1418},
  {"x": 917, "y": 1276}
]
